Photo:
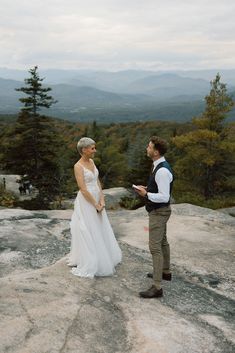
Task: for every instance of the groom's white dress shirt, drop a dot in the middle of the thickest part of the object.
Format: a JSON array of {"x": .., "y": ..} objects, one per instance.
[{"x": 163, "y": 178}]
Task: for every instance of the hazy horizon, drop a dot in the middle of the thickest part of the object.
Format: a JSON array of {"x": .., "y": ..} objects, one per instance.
[{"x": 116, "y": 70}]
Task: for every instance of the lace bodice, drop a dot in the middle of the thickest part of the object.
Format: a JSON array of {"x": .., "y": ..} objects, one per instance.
[{"x": 90, "y": 177}]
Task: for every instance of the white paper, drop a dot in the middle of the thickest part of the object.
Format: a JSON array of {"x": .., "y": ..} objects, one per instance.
[{"x": 136, "y": 187}]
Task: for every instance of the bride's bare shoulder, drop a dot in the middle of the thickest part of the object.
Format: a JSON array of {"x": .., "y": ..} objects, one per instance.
[
  {"x": 92, "y": 162},
  {"x": 77, "y": 165}
]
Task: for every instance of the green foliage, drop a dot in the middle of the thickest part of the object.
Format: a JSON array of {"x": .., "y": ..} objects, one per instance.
[
  {"x": 218, "y": 104},
  {"x": 37, "y": 96},
  {"x": 131, "y": 203},
  {"x": 111, "y": 163},
  {"x": 35, "y": 152},
  {"x": 121, "y": 157},
  {"x": 139, "y": 173},
  {"x": 207, "y": 159},
  {"x": 7, "y": 198},
  {"x": 109, "y": 157},
  {"x": 33, "y": 146}
]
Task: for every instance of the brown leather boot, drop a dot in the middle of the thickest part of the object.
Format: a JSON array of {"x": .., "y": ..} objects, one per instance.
[{"x": 152, "y": 292}]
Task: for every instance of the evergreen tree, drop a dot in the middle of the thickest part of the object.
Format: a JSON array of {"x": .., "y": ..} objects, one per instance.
[
  {"x": 37, "y": 96},
  {"x": 207, "y": 161},
  {"x": 109, "y": 158},
  {"x": 110, "y": 162},
  {"x": 34, "y": 144}
]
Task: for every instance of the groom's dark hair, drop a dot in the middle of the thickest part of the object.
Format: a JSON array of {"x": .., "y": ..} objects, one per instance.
[{"x": 160, "y": 144}]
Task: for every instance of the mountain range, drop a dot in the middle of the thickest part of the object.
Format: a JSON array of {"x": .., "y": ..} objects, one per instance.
[{"x": 112, "y": 96}]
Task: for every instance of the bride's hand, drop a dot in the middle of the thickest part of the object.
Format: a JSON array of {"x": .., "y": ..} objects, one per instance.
[
  {"x": 102, "y": 204},
  {"x": 98, "y": 207}
]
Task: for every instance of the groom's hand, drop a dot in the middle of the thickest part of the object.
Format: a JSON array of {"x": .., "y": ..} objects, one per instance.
[{"x": 142, "y": 190}]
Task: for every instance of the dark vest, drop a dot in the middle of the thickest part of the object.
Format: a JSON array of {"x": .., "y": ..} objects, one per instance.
[{"x": 152, "y": 187}]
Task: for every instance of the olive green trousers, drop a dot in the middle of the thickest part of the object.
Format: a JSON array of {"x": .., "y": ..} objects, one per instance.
[{"x": 158, "y": 244}]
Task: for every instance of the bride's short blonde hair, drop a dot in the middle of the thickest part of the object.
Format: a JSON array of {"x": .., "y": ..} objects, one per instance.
[{"x": 83, "y": 143}]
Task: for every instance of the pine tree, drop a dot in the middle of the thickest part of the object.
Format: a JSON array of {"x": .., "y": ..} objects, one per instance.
[
  {"x": 37, "y": 96},
  {"x": 34, "y": 144},
  {"x": 208, "y": 160}
]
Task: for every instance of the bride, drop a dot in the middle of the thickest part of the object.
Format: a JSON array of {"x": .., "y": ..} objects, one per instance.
[{"x": 94, "y": 249}]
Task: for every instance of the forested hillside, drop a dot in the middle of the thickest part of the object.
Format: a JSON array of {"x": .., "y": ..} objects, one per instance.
[
  {"x": 201, "y": 152},
  {"x": 121, "y": 155}
]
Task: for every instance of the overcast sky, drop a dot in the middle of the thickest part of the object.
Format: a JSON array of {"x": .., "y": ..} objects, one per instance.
[{"x": 117, "y": 34}]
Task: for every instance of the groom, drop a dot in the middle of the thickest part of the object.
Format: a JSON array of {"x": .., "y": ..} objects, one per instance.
[{"x": 157, "y": 195}]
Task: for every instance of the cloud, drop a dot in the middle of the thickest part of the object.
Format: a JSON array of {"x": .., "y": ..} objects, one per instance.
[{"x": 116, "y": 34}]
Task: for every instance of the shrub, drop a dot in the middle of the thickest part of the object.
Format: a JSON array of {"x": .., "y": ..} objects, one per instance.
[
  {"x": 7, "y": 198},
  {"x": 131, "y": 203}
]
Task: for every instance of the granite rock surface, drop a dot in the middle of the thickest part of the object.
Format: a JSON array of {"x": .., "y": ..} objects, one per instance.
[{"x": 45, "y": 309}]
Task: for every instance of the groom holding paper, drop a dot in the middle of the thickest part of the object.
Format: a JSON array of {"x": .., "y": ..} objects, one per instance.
[{"x": 157, "y": 195}]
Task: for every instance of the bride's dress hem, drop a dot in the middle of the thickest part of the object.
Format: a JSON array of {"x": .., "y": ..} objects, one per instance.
[{"x": 76, "y": 272}]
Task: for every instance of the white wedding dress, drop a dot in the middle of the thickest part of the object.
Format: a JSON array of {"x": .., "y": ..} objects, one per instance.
[{"x": 94, "y": 249}]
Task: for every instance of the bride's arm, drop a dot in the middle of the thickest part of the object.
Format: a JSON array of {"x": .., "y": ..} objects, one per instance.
[
  {"x": 78, "y": 172},
  {"x": 102, "y": 202}
]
